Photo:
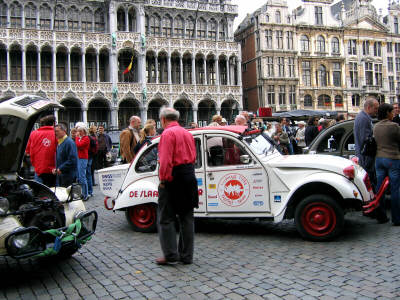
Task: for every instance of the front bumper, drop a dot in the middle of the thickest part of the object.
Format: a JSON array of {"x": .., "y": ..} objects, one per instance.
[{"x": 31, "y": 241}]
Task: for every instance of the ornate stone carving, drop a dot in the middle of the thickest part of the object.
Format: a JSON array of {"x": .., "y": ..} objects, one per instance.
[{"x": 70, "y": 94}]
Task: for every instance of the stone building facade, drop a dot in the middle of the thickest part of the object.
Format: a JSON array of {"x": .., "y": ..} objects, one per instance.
[
  {"x": 342, "y": 52},
  {"x": 182, "y": 55}
]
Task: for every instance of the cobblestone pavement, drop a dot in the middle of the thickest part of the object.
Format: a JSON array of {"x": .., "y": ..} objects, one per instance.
[{"x": 233, "y": 260}]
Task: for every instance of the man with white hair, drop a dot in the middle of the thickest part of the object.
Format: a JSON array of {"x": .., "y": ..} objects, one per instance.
[
  {"x": 129, "y": 138},
  {"x": 177, "y": 190},
  {"x": 240, "y": 120}
]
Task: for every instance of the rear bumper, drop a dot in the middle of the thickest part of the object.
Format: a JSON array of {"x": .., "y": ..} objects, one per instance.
[{"x": 31, "y": 241}]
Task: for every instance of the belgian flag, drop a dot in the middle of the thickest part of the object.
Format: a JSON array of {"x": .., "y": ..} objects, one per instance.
[{"x": 128, "y": 69}]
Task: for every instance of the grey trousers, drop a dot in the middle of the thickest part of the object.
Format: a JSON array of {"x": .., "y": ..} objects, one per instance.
[{"x": 167, "y": 230}]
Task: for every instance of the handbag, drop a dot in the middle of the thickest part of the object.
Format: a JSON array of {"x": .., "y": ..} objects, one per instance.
[{"x": 369, "y": 147}]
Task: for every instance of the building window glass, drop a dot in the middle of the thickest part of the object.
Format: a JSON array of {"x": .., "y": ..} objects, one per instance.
[
  {"x": 304, "y": 43},
  {"x": 99, "y": 22},
  {"x": 3, "y": 14},
  {"x": 278, "y": 17},
  {"x": 390, "y": 63},
  {"x": 307, "y": 101},
  {"x": 76, "y": 60},
  {"x": 320, "y": 44},
  {"x": 378, "y": 75},
  {"x": 338, "y": 101},
  {"x": 31, "y": 65},
  {"x": 396, "y": 25},
  {"x": 352, "y": 47},
  {"x": 389, "y": 47},
  {"x": 30, "y": 16},
  {"x": 178, "y": 26},
  {"x": 212, "y": 29},
  {"x": 289, "y": 41},
  {"x": 121, "y": 19},
  {"x": 365, "y": 47},
  {"x": 222, "y": 30},
  {"x": 61, "y": 61},
  {"x": 201, "y": 28},
  {"x": 318, "y": 15},
  {"x": 292, "y": 95},
  {"x": 271, "y": 95},
  {"x": 59, "y": 22},
  {"x": 279, "y": 39},
  {"x": 87, "y": 20},
  {"x": 324, "y": 101},
  {"x": 167, "y": 26},
  {"x": 337, "y": 74},
  {"x": 355, "y": 100},
  {"x": 397, "y": 48},
  {"x": 46, "y": 62},
  {"x": 369, "y": 73},
  {"x": 391, "y": 83},
  {"x": 282, "y": 95},
  {"x": 16, "y": 15},
  {"x": 322, "y": 76},
  {"x": 291, "y": 67},
  {"x": 281, "y": 66},
  {"x": 258, "y": 41},
  {"x": 190, "y": 27},
  {"x": 268, "y": 39},
  {"x": 270, "y": 66},
  {"x": 378, "y": 49},
  {"x": 397, "y": 64},
  {"x": 45, "y": 17},
  {"x": 259, "y": 68},
  {"x": 16, "y": 65},
  {"x": 353, "y": 74},
  {"x": 3, "y": 64},
  {"x": 73, "y": 19},
  {"x": 306, "y": 72},
  {"x": 155, "y": 21},
  {"x": 335, "y": 45}
]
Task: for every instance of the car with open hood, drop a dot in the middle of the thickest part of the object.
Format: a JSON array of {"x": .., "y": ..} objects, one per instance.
[
  {"x": 35, "y": 220},
  {"x": 241, "y": 175}
]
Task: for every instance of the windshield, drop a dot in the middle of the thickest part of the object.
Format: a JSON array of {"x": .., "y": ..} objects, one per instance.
[{"x": 260, "y": 144}]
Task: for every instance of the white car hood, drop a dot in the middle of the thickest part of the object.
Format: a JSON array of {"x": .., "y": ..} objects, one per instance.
[{"x": 312, "y": 161}]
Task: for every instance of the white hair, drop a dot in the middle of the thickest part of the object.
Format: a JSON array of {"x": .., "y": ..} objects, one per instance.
[
  {"x": 241, "y": 118},
  {"x": 134, "y": 118},
  {"x": 169, "y": 113},
  {"x": 81, "y": 126}
]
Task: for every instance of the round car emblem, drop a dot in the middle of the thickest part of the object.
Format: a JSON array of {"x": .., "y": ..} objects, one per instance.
[{"x": 233, "y": 189}]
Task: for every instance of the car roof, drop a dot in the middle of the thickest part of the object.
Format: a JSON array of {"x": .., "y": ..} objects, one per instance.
[{"x": 231, "y": 128}]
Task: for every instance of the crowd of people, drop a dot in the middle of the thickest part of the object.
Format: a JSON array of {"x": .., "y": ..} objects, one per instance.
[{"x": 60, "y": 160}]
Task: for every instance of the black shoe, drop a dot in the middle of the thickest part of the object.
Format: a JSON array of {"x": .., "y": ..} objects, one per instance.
[
  {"x": 383, "y": 220},
  {"x": 396, "y": 224},
  {"x": 186, "y": 262},
  {"x": 162, "y": 261}
]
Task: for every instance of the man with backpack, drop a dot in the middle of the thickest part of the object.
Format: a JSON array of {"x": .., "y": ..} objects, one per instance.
[{"x": 93, "y": 148}]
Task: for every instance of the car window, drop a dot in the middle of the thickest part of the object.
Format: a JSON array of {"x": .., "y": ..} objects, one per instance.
[
  {"x": 198, "y": 164},
  {"x": 332, "y": 141},
  {"x": 148, "y": 160},
  {"x": 349, "y": 144},
  {"x": 223, "y": 151}
]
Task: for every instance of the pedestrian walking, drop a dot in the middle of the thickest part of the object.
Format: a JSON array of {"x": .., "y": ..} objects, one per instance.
[
  {"x": 285, "y": 125},
  {"x": 41, "y": 148},
  {"x": 105, "y": 145},
  {"x": 311, "y": 130},
  {"x": 83, "y": 143},
  {"x": 67, "y": 157},
  {"x": 300, "y": 136},
  {"x": 282, "y": 139},
  {"x": 92, "y": 152},
  {"x": 177, "y": 190},
  {"x": 129, "y": 138},
  {"x": 73, "y": 132},
  {"x": 362, "y": 131},
  {"x": 387, "y": 137},
  {"x": 146, "y": 133}
]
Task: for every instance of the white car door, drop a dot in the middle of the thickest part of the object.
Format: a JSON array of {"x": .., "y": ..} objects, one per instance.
[
  {"x": 235, "y": 180},
  {"x": 199, "y": 170}
]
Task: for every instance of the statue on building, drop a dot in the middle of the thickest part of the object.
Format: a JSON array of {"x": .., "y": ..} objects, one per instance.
[
  {"x": 144, "y": 94},
  {"x": 115, "y": 95},
  {"x": 143, "y": 40},
  {"x": 113, "y": 40}
]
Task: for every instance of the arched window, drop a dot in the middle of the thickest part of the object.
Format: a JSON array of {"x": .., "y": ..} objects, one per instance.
[
  {"x": 121, "y": 19},
  {"x": 335, "y": 45},
  {"x": 267, "y": 18},
  {"x": 132, "y": 19},
  {"x": 167, "y": 26},
  {"x": 278, "y": 17},
  {"x": 99, "y": 22},
  {"x": 212, "y": 29},
  {"x": 16, "y": 63},
  {"x": 322, "y": 76},
  {"x": 59, "y": 21},
  {"x": 155, "y": 21},
  {"x": 304, "y": 43},
  {"x": 30, "y": 15},
  {"x": 31, "y": 58},
  {"x": 45, "y": 17},
  {"x": 73, "y": 19},
  {"x": 178, "y": 26},
  {"x": 190, "y": 27},
  {"x": 324, "y": 100},
  {"x": 3, "y": 13},
  {"x": 307, "y": 101},
  {"x": 338, "y": 101},
  {"x": 320, "y": 44},
  {"x": 87, "y": 19},
  {"x": 222, "y": 30},
  {"x": 3, "y": 63},
  {"x": 16, "y": 15},
  {"x": 201, "y": 28}
]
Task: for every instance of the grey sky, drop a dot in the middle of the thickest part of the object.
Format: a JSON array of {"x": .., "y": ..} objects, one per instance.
[{"x": 249, "y": 6}]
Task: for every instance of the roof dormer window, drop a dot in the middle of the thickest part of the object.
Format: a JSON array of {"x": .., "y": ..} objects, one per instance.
[{"x": 318, "y": 15}]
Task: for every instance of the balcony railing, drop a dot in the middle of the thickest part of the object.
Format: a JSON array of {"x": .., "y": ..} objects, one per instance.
[{"x": 213, "y": 7}]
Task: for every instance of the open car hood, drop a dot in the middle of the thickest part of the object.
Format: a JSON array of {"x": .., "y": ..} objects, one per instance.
[{"x": 17, "y": 117}]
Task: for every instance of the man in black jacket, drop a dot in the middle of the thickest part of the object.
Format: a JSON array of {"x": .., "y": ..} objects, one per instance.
[{"x": 396, "y": 117}]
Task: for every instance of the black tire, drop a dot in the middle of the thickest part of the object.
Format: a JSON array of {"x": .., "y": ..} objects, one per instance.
[
  {"x": 319, "y": 218},
  {"x": 66, "y": 252},
  {"x": 143, "y": 217}
]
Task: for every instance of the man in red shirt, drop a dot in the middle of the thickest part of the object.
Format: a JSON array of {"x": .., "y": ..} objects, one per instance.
[
  {"x": 42, "y": 145},
  {"x": 177, "y": 191}
]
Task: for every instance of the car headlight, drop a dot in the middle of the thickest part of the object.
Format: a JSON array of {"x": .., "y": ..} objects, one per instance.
[
  {"x": 21, "y": 240},
  {"x": 4, "y": 206}
]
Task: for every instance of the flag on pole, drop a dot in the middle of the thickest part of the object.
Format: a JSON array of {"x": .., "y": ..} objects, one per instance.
[{"x": 128, "y": 69}]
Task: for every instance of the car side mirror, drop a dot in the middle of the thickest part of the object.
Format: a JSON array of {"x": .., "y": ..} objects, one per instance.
[{"x": 245, "y": 159}]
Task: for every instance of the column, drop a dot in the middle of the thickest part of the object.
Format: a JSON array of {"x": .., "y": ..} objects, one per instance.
[
  {"x": 8, "y": 64},
  {"x": 205, "y": 71},
  {"x": 54, "y": 65},
  {"x": 169, "y": 68},
  {"x": 83, "y": 68},
  {"x": 69, "y": 65},
  {"x": 193, "y": 70},
  {"x": 195, "y": 109},
  {"x": 143, "y": 114},
  {"x": 239, "y": 70},
  {"x": 216, "y": 72},
  {"x": 98, "y": 66},
  {"x": 142, "y": 69},
  {"x": 84, "y": 115},
  {"x": 56, "y": 114},
  {"x": 156, "y": 62},
  {"x": 38, "y": 68},
  {"x": 181, "y": 65},
  {"x": 126, "y": 21},
  {"x": 114, "y": 117},
  {"x": 228, "y": 75},
  {"x": 23, "y": 65}
]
